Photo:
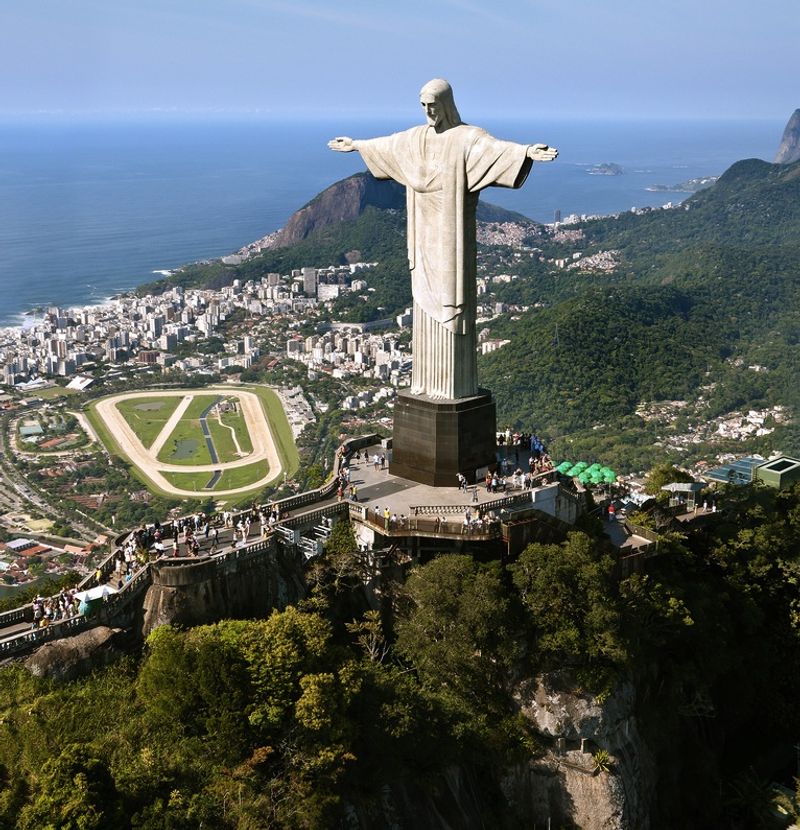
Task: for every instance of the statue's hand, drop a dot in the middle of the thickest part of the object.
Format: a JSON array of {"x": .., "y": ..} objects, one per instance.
[
  {"x": 342, "y": 144},
  {"x": 541, "y": 152}
]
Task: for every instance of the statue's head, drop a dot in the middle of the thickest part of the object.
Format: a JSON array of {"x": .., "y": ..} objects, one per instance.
[{"x": 436, "y": 98}]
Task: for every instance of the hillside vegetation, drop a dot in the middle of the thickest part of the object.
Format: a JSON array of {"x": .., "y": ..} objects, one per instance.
[{"x": 283, "y": 722}]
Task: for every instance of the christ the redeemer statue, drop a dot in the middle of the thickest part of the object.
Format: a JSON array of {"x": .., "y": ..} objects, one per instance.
[{"x": 444, "y": 165}]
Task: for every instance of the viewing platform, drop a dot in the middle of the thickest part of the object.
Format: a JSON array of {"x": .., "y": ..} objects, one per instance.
[
  {"x": 388, "y": 507},
  {"x": 388, "y": 513}
]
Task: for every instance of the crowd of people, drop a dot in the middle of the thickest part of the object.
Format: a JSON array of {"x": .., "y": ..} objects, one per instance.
[
  {"x": 191, "y": 535},
  {"x": 197, "y": 534},
  {"x": 62, "y": 606}
]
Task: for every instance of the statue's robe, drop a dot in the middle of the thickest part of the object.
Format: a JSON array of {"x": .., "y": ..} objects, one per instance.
[{"x": 443, "y": 174}]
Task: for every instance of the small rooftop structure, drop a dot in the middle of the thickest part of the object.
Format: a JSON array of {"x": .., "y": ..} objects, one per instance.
[
  {"x": 80, "y": 382},
  {"x": 684, "y": 487},
  {"x": 778, "y": 472},
  {"x": 683, "y": 492}
]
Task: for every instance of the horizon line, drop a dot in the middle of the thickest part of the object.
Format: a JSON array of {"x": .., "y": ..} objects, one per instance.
[{"x": 284, "y": 114}]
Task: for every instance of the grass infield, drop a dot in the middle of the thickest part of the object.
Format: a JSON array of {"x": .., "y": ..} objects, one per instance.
[
  {"x": 147, "y": 416},
  {"x": 231, "y": 479}
]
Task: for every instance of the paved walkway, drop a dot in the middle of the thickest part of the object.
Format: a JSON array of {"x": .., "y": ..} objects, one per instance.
[
  {"x": 379, "y": 488},
  {"x": 621, "y": 538}
]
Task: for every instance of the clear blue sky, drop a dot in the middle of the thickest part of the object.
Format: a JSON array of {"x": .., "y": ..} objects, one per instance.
[{"x": 561, "y": 58}]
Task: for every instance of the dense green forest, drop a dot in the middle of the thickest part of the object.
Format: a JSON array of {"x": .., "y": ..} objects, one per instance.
[{"x": 285, "y": 721}]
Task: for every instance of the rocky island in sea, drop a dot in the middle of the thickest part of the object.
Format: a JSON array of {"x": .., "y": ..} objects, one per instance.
[{"x": 605, "y": 169}]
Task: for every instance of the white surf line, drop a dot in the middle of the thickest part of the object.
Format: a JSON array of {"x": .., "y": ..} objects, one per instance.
[
  {"x": 169, "y": 426},
  {"x": 233, "y": 435}
]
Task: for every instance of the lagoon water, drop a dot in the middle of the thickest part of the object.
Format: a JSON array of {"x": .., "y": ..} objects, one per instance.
[{"x": 91, "y": 209}]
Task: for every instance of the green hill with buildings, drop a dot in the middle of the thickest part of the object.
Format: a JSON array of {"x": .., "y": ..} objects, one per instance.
[{"x": 702, "y": 307}]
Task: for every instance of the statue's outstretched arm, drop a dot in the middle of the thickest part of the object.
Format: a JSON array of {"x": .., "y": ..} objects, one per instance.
[
  {"x": 541, "y": 152},
  {"x": 342, "y": 144}
]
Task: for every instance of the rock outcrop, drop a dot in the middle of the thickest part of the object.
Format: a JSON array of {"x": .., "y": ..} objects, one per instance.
[
  {"x": 208, "y": 591},
  {"x": 73, "y": 657},
  {"x": 789, "y": 149},
  {"x": 342, "y": 201},
  {"x": 562, "y": 787},
  {"x": 347, "y": 199},
  {"x": 565, "y": 785}
]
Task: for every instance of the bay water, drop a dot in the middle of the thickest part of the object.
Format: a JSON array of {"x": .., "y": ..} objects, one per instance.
[{"x": 91, "y": 209}]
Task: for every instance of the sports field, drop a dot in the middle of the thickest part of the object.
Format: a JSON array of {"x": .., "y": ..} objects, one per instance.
[{"x": 221, "y": 441}]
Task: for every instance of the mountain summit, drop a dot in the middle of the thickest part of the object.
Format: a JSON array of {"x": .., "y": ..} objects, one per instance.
[
  {"x": 789, "y": 149},
  {"x": 347, "y": 199}
]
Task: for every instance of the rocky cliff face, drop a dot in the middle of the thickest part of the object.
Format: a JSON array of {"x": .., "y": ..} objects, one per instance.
[
  {"x": 561, "y": 788},
  {"x": 347, "y": 199},
  {"x": 564, "y": 785},
  {"x": 209, "y": 591},
  {"x": 789, "y": 149}
]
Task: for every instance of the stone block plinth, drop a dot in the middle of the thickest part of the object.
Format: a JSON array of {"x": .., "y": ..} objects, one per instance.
[{"x": 434, "y": 440}]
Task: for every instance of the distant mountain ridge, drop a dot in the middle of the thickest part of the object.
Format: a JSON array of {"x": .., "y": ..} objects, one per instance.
[
  {"x": 789, "y": 149},
  {"x": 347, "y": 199}
]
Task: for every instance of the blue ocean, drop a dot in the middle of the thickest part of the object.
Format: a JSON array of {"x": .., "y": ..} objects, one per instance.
[{"x": 88, "y": 210}]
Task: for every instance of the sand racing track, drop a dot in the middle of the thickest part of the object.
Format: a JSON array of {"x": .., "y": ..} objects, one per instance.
[{"x": 146, "y": 459}]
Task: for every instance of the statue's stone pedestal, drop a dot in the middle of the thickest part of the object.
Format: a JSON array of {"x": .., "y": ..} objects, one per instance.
[{"x": 433, "y": 440}]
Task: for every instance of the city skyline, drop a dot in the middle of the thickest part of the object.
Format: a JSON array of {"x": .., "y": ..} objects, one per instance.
[{"x": 272, "y": 58}]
